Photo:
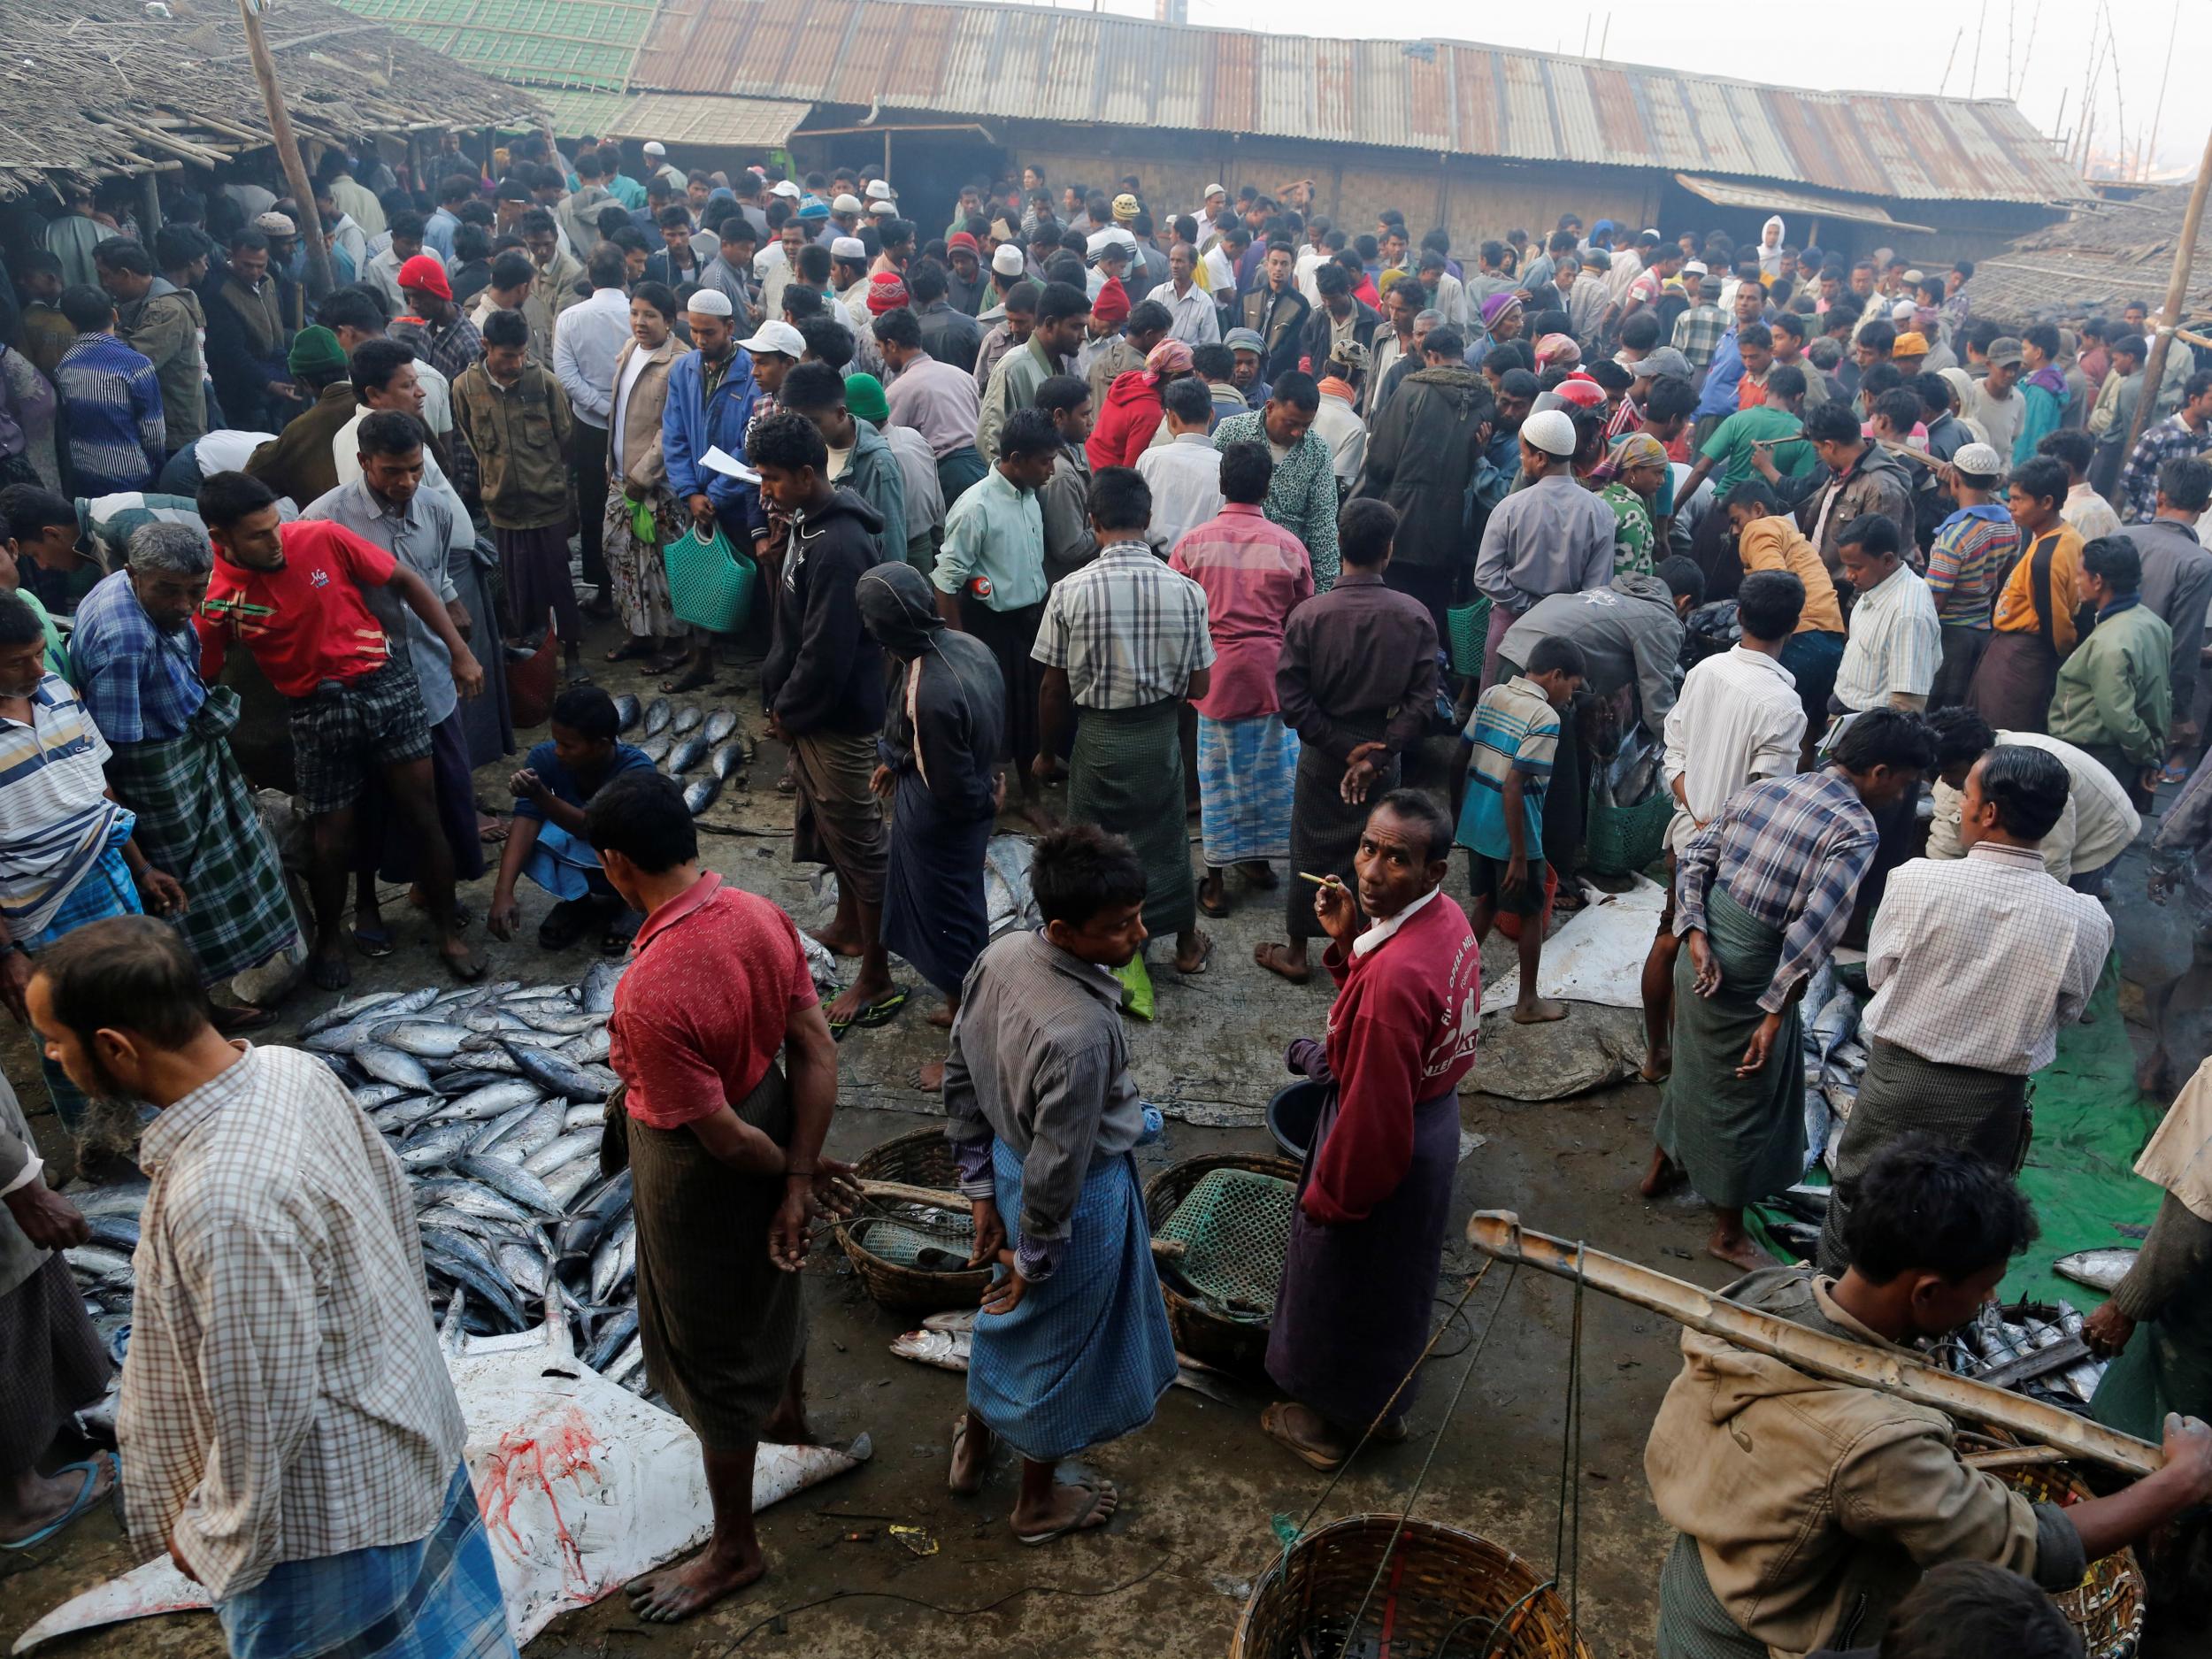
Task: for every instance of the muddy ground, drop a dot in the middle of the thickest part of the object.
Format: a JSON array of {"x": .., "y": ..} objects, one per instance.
[{"x": 1201, "y": 1489}]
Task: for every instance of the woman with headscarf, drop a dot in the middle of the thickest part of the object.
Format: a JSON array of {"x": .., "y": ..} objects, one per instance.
[
  {"x": 1638, "y": 464},
  {"x": 1961, "y": 385},
  {"x": 644, "y": 515},
  {"x": 1770, "y": 249},
  {"x": 944, "y": 722},
  {"x": 1132, "y": 413},
  {"x": 1502, "y": 317}
]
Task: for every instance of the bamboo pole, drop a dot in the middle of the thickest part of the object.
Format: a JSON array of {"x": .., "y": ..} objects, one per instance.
[
  {"x": 1500, "y": 1233},
  {"x": 319, "y": 280},
  {"x": 2176, "y": 297}
]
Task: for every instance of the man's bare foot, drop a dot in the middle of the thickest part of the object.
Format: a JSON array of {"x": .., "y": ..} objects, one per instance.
[
  {"x": 858, "y": 997},
  {"x": 1259, "y": 872},
  {"x": 1535, "y": 1010},
  {"x": 327, "y": 969},
  {"x": 786, "y": 1426},
  {"x": 677, "y": 1592},
  {"x": 940, "y": 1016},
  {"x": 47, "y": 1498},
  {"x": 1072, "y": 1508},
  {"x": 1663, "y": 1176},
  {"x": 462, "y": 963},
  {"x": 971, "y": 1456},
  {"x": 836, "y": 943},
  {"x": 1213, "y": 896},
  {"x": 1735, "y": 1247},
  {"x": 1277, "y": 959},
  {"x": 1658, "y": 1065},
  {"x": 931, "y": 1078}
]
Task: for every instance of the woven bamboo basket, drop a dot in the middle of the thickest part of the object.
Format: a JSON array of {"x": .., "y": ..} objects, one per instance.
[
  {"x": 1447, "y": 1594},
  {"x": 1236, "y": 1345},
  {"x": 923, "y": 1158},
  {"x": 2107, "y": 1606}
]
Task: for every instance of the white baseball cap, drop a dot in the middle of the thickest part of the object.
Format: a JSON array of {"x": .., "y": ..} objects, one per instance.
[
  {"x": 786, "y": 189},
  {"x": 656, "y": 148},
  {"x": 1552, "y": 431},
  {"x": 708, "y": 303},
  {"x": 1008, "y": 260},
  {"x": 846, "y": 204},
  {"x": 848, "y": 248},
  {"x": 775, "y": 335}
]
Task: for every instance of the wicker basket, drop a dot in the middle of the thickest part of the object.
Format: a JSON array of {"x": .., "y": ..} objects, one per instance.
[
  {"x": 923, "y": 1158},
  {"x": 1444, "y": 1591},
  {"x": 2107, "y": 1607},
  {"x": 1231, "y": 1345}
]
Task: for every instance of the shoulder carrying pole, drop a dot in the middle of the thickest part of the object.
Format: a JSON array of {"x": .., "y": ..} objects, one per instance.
[{"x": 1499, "y": 1232}]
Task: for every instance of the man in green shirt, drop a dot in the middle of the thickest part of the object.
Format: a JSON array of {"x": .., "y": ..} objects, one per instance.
[
  {"x": 2115, "y": 694},
  {"x": 1777, "y": 422}
]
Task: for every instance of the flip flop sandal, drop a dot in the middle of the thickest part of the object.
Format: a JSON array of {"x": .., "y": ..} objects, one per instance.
[
  {"x": 232, "y": 1018},
  {"x": 882, "y": 1011},
  {"x": 1217, "y": 909},
  {"x": 373, "y": 941},
  {"x": 1271, "y": 1426},
  {"x": 1075, "y": 1523},
  {"x": 78, "y": 1505},
  {"x": 563, "y": 924},
  {"x": 2174, "y": 772},
  {"x": 1205, "y": 958}
]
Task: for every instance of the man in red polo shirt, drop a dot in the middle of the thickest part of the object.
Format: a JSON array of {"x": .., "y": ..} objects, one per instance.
[
  {"x": 291, "y": 594},
  {"x": 725, "y": 1150}
]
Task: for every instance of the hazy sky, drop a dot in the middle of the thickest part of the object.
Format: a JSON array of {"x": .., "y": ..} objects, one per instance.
[{"x": 1871, "y": 45}]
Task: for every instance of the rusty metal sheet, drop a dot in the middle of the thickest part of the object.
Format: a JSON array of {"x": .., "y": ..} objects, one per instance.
[
  {"x": 1724, "y": 148},
  {"x": 1335, "y": 83},
  {"x": 1769, "y": 157},
  {"x": 1574, "y": 113},
  {"x": 1666, "y": 117},
  {"x": 1480, "y": 109},
  {"x": 1128, "y": 62},
  {"x": 1528, "y": 124},
  {"x": 1232, "y": 90},
  {"x": 1620, "y": 126},
  {"x": 1285, "y": 86}
]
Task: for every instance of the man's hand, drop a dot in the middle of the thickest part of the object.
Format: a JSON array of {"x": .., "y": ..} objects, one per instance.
[
  {"x": 164, "y": 894},
  {"x": 990, "y": 1230},
  {"x": 1762, "y": 463},
  {"x": 1360, "y": 769},
  {"x": 1043, "y": 768},
  {"x": 468, "y": 674},
  {"x": 463, "y": 623},
  {"x": 282, "y": 388},
  {"x": 49, "y": 1220},
  {"x": 1333, "y": 909},
  {"x": 1704, "y": 971},
  {"x": 15, "y": 979},
  {"x": 2106, "y": 1331},
  {"x": 182, "y": 1565},
  {"x": 530, "y": 787},
  {"x": 701, "y": 514},
  {"x": 1003, "y": 1295},
  {"x": 776, "y": 728},
  {"x": 881, "y": 782},
  {"x": 504, "y": 917},
  {"x": 835, "y": 1186},
  {"x": 2149, "y": 779},
  {"x": 1761, "y": 1044},
  {"x": 1516, "y": 875},
  {"x": 787, "y": 1233},
  {"x": 2189, "y": 1453}
]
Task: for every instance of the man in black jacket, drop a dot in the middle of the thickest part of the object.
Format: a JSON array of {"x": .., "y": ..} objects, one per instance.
[
  {"x": 1276, "y": 310},
  {"x": 823, "y": 683},
  {"x": 948, "y": 335},
  {"x": 1341, "y": 316},
  {"x": 1424, "y": 449}
]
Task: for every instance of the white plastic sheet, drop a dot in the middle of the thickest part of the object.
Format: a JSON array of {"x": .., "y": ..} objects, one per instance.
[{"x": 1597, "y": 956}]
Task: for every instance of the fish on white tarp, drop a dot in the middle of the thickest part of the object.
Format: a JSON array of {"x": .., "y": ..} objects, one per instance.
[
  {"x": 1597, "y": 956},
  {"x": 583, "y": 1486}
]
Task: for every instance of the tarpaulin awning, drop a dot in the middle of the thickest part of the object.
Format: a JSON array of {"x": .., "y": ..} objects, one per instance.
[{"x": 1774, "y": 198}]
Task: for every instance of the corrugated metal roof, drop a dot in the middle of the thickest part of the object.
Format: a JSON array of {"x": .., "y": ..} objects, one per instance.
[
  {"x": 1032, "y": 62},
  {"x": 676, "y": 118},
  {"x": 1766, "y": 198}
]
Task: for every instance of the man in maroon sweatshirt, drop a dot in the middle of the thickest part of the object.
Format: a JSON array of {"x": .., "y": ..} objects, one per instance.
[{"x": 1367, "y": 1242}]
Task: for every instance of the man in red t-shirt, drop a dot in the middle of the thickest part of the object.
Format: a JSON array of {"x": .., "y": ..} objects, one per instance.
[
  {"x": 291, "y": 593},
  {"x": 725, "y": 1150}
]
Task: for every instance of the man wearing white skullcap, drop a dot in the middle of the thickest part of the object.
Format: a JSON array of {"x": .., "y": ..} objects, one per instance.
[
  {"x": 1553, "y": 537},
  {"x": 657, "y": 158}
]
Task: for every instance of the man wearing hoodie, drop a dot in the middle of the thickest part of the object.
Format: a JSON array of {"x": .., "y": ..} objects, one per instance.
[
  {"x": 1423, "y": 451},
  {"x": 823, "y": 683},
  {"x": 1863, "y": 478},
  {"x": 2042, "y": 389},
  {"x": 860, "y": 458},
  {"x": 1805, "y": 1508},
  {"x": 163, "y": 322}
]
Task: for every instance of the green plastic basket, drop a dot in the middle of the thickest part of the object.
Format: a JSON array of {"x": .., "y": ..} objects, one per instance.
[
  {"x": 1234, "y": 1226},
  {"x": 710, "y": 583},
  {"x": 1469, "y": 625},
  {"x": 1621, "y": 839}
]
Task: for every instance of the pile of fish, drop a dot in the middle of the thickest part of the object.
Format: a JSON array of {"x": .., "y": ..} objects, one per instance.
[
  {"x": 2000, "y": 1343},
  {"x": 1834, "y": 1058},
  {"x": 679, "y": 739}
]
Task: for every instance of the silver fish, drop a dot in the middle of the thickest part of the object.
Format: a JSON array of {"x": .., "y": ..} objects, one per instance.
[
  {"x": 91, "y": 1262},
  {"x": 611, "y": 1338},
  {"x": 728, "y": 761},
  {"x": 489, "y": 1020},
  {"x": 339, "y": 1039},
  {"x": 524, "y": 1269},
  {"x": 120, "y": 1232},
  {"x": 701, "y": 793},
  {"x": 409, "y": 1002},
  {"x": 658, "y": 714},
  {"x": 369, "y": 1096},
  {"x": 632, "y": 1358},
  {"x": 452, "y": 1337},
  {"x": 606, "y": 1258},
  {"x": 539, "y": 1130},
  {"x": 494, "y": 1060},
  {"x": 654, "y": 748},
  {"x": 567, "y": 1183},
  {"x": 591, "y": 1116},
  {"x": 510, "y": 1181},
  {"x": 593, "y": 1045},
  {"x": 562, "y": 1151},
  {"x": 345, "y": 1012},
  {"x": 483, "y": 1139},
  {"x": 555, "y": 1074},
  {"x": 2102, "y": 1270},
  {"x": 627, "y": 711},
  {"x": 390, "y": 1065},
  {"x": 689, "y": 752},
  {"x": 117, "y": 1198},
  {"x": 473, "y": 1198},
  {"x": 720, "y": 724},
  {"x": 564, "y": 1022},
  {"x": 406, "y": 1112},
  {"x": 687, "y": 718},
  {"x": 426, "y": 1039},
  {"x": 599, "y": 983},
  {"x": 433, "y": 1147}
]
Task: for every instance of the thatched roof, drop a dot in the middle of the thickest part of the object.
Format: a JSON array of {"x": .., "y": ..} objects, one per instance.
[
  {"x": 2095, "y": 261},
  {"x": 98, "y": 88}
]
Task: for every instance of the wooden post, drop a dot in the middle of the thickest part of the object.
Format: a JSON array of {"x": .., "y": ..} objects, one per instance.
[
  {"x": 319, "y": 280},
  {"x": 2176, "y": 297},
  {"x": 149, "y": 223}
]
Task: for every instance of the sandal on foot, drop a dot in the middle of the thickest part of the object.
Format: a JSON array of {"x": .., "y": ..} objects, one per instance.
[
  {"x": 1272, "y": 1425},
  {"x": 1093, "y": 1495},
  {"x": 373, "y": 942},
  {"x": 882, "y": 1011},
  {"x": 85, "y": 1499}
]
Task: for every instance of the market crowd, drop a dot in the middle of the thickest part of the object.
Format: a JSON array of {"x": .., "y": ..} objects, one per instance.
[{"x": 1413, "y": 569}]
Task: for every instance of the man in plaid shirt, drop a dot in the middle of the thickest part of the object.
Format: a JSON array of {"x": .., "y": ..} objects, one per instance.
[
  {"x": 1763, "y": 893},
  {"x": 2186, "y": 431},
  {"x": 1125, "y": 641}
]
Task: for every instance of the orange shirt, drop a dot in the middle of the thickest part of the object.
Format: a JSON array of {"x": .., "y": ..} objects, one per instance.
[
  {"x": 1775, "y": 543},
  {"x": 2016, "y": 604}
]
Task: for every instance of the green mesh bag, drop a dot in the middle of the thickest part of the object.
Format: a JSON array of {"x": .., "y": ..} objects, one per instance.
[{"x": 1234, "y": 1227}]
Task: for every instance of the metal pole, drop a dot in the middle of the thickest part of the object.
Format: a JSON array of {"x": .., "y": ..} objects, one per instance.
[
  {"x": 2176, "y": 297},
  {"x": 319, "y": 280}
]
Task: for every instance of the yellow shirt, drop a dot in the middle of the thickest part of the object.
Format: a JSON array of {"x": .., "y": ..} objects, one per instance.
[
  {"x": 1773, "y": 543},
  {"x": 2016, "y": 604}
]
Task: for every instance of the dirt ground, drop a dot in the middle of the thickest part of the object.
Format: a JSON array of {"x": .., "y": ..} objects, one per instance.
[{"x": 1202, "y": 1490}]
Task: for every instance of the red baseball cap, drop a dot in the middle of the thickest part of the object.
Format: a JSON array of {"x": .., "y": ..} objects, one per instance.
[{"x": 425, "y": 274}]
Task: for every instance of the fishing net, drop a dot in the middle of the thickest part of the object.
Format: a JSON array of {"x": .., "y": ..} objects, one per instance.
[{"x": 1234, "y": 1227}]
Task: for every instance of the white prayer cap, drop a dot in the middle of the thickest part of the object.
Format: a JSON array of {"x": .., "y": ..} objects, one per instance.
[
  {"x": 848, "y": 248},
  {"x": 1980, "y": 459},
  {"x": 656, "y": 148},
  {"x": 708, "y": 303},
  {"x": 775, "y": 335},
  {"x": 1214, "y": 190},
  {"x": 878, "y": 190},
  {"x": 846, "y": 204},
  {"x": 1007, "y": 260},
  {"x": 1552, "y": 431},
  {"x": 880, "y": 204},
  {"x": 1902, "y": 311}
]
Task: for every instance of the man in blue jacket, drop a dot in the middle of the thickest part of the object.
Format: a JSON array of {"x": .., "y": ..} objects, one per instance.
[{"x": 711, "y": 400}]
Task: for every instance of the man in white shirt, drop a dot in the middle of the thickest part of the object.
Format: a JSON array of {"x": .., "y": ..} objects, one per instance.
[
  {"x": 1193, "y": 317},
  {"x": 1336, "y": 418},
  {"x": 1736, "y": 719},
  {"x": 1185, "y": 473},
  {"x": 587, "y": 340},
  {"x": 2098, "y": 824}
]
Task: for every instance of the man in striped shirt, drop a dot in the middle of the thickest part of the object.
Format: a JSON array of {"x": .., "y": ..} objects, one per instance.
[{"x": 1968, "y": 562}]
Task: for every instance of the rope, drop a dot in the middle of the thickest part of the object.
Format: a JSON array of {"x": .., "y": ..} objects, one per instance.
[{"x": 1435, "y": 1445}]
